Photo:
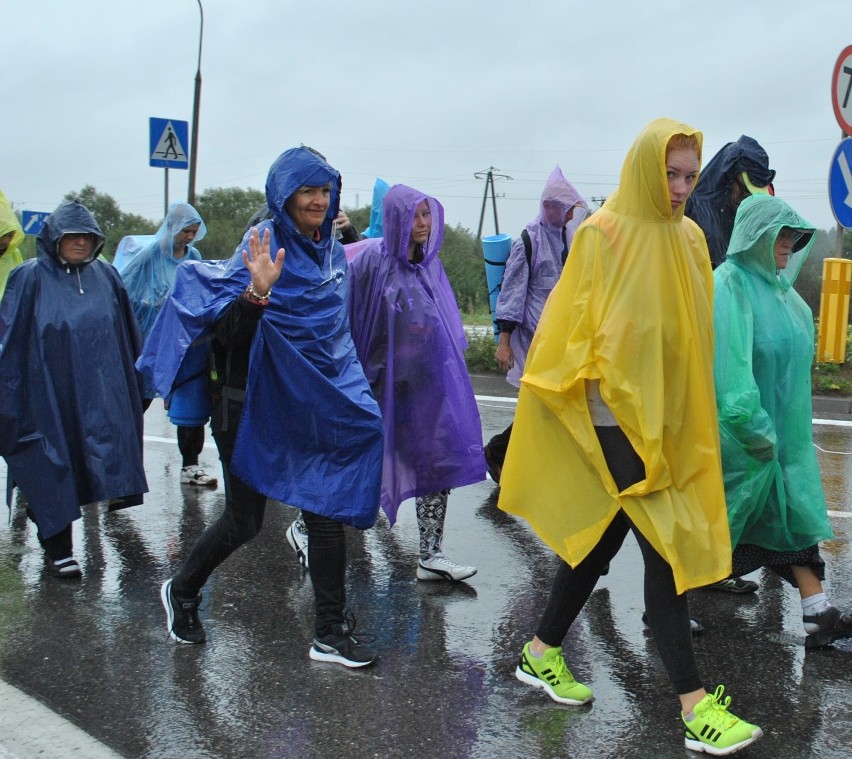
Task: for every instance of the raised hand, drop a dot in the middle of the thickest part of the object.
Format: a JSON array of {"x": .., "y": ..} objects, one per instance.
[{"x": 264, "y": 269}]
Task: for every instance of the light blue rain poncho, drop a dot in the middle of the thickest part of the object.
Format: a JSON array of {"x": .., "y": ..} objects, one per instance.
[
  {"x": 147, "y": 263},
  {"x": 380, "y": 189},
  {"x": 764, "y": 351}
]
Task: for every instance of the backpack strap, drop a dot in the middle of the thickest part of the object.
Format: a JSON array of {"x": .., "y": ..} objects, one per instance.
[{"x": 525, "y": 236}]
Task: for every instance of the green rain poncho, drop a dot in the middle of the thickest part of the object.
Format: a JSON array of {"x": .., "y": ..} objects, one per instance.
[
  {"x": 12, "y": 256},
  {"x": 764, "y": 350}
]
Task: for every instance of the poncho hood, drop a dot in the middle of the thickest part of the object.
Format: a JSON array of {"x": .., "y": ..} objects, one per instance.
[
  {"x": 559, "y": 190},
  {"x": 69, "y": 217},
  {"x": 410, "y": 340},
  {"x": 758, "y": 222},
  {"x": 295, "y": 168},
  {"x": 632, "y": 311},
  {"x": 710, "y": 203},
  {"x": 398, "y": 207}
]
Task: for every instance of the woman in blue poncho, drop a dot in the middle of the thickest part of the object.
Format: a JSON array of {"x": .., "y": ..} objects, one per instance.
[
  {"x": 764, "y": 351},
  {"x": 292, "y": 413},
  {"x": 71, "y": 406},
  {"x": 147, "y": 265}
]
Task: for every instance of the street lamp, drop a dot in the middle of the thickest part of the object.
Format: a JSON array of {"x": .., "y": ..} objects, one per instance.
[{"x": 196, "y": 105}]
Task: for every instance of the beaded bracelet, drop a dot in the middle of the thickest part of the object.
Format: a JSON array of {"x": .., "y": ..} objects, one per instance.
[{"x": 253, "y": 296}]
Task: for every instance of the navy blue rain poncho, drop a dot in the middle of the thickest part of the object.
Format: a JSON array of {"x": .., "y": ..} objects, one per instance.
[
  {"x": 710, "y": 207},
  {"x": 147, "y": 263},
  {"x": 311, "y": 432},
  {"x": 70, "y": 401},
  {"x": 411, "y": 342}
]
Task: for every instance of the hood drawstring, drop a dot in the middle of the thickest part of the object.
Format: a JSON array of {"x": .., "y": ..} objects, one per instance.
[{"x": 79, "y": 281}]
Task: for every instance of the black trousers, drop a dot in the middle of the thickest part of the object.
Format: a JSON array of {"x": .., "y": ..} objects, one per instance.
[
  {"x": 668, "y": 612},
  {"x": 242, "y": 519},
  {"x": 190, "y": 439}
]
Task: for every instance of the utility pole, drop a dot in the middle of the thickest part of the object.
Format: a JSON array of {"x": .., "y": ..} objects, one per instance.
[
  {"x": 196, "y": 107},
  {"x": 489, "y": 184}
]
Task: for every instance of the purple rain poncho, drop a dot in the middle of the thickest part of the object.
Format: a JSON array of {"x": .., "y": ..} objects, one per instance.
[
  {"x": 410, "y": 341},
  {"x": 525, "y": 288}
]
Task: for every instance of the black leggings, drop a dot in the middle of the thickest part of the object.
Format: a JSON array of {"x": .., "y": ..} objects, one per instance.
[
  {"x": 190, "y": 439},
  {"x": 242, "y": 519},
  {"x": 668, "y": 612}
]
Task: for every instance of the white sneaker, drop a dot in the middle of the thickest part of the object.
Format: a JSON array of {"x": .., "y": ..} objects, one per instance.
[
  {"x": 439, "y": 567},
  {"x": 297, "y": 537},
  {"x": 195, "y": 475}
]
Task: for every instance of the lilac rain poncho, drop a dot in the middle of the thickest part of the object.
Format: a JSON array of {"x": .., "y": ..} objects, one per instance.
[
  {"x": 525, "y": 287},
  {"x": 410, "y": 341}
]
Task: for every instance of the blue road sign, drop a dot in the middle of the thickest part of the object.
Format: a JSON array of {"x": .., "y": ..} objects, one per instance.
[
  {"x": 168, "y": 143},
  {"x": 840, "y": 184},
  {"x": 33, "y": 221}
]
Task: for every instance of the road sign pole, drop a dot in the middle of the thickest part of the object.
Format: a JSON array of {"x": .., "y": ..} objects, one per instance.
[{"x": 166, "y": 211}]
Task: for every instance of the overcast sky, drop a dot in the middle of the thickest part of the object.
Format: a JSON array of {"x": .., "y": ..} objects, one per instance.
[{"x": 425, "y": 93}]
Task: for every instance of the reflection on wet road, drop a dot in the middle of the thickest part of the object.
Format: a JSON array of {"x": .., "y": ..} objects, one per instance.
[{"x": 97, "y": 652}]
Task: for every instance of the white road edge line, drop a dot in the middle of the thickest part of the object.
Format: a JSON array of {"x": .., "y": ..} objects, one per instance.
[{"x": 28, "y": 729}]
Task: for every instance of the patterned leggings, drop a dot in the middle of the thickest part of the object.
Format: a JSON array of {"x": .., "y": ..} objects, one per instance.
[{"x": 431, "y": 512}]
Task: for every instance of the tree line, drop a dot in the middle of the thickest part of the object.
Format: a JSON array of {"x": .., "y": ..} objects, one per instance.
[{"x": 226, "y": 211}]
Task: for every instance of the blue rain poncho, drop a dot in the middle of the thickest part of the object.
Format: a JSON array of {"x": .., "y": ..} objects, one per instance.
[
  {"x": 375, "y": 229},
  {"x": 70, "y": 401},
  {"x": 633, "y": 310},
  {"x": 411, "y": 342},
  {"x": 310, "y": 433},
  {"x": 710, "y": 204},
  {"x": 525, "y": 286},
  {"x": 147, "y": 263},
  {"x": 764, "y": 351}
]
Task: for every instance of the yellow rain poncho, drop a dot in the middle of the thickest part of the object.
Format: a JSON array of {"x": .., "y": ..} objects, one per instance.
[
  {"x": 12, "y": 257},
  {"x": 633, "y": 309}
]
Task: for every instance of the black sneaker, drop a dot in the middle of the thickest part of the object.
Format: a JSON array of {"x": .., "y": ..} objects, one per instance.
[
  {"x": 832, "y": 626},
  {"x": 67, "y": 568},
  {"x": 734, "y": 585},
  {"x": 182, "y": 616},
  {"x": 495, "y": 469},
  {"x": 340, "y": 647}
]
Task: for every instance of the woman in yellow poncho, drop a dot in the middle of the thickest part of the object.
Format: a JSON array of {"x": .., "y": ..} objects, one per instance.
[
  {"x": 11, "y": 236},
  {"x": 616, "y": 426}
]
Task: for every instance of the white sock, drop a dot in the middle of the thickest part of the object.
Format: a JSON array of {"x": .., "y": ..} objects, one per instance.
[{"x": 812, "y": 606}]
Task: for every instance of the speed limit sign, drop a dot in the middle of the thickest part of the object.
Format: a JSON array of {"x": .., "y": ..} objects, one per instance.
[{"x": 841, "y": 90}]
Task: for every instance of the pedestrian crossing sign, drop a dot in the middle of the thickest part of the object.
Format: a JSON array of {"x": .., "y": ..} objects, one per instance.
[{"x": 168, "y": 143}]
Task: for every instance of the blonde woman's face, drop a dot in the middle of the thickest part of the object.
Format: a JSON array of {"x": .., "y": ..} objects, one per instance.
[{"x": 682, "y": 167}]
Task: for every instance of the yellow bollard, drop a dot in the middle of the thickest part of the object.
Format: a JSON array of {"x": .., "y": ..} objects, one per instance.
[{"x": 834, "y": 310}]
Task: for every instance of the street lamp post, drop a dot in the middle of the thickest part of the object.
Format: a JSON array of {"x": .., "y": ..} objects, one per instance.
[{"x": 196, "y": 106}]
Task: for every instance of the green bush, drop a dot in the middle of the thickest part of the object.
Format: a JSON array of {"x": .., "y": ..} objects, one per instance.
[{"x": 480, "y": 353}]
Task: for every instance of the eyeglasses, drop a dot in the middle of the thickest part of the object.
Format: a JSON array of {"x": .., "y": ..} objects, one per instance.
[{"x": 791, "y": 235}]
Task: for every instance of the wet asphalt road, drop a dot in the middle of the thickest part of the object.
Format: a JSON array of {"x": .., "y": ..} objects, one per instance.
[{"x": 96, "y": 651}]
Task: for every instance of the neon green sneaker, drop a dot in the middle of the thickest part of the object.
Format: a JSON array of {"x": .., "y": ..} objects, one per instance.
[
  {"x": 549, "y": 672},
  {"x": 715, "y": 730}
]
